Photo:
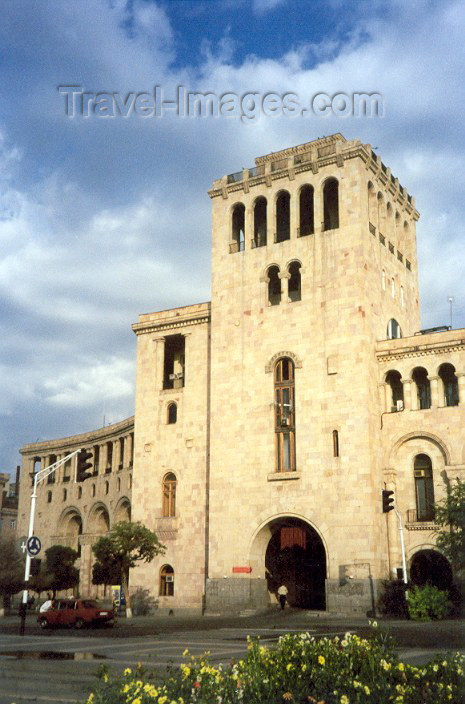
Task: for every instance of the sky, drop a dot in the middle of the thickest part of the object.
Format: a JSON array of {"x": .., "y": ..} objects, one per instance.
[{"x": 105, "y": 217}]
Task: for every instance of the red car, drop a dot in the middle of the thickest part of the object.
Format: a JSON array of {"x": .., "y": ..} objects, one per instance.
[{"x": 75, "y": 612}]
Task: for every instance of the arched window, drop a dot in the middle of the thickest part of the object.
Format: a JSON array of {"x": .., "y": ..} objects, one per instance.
[
  {"x": 393, "y": 330},
  {"x": 67, "y": 471},
  {"x": 49, "y": 497},
  {"x": 259, "y": 222},
  {"x": 107, "y": 487},
  {"x": 393, "y": 288},
  {"x": 80, "y": 492},
  {"x": 284, "y": 415},
  {"x": 172, "y": 414},
  {"x": 394, "y": 379},
  {"x": 238, "y": 227},
  {"x": 381, "y": 213},
  {"x": 424, "y": 488},
  {"x": 383, "y": 280},
  {"x": 93, "y": 489},
  {"x": 166, "y": 581},
  {"x": 283, "y": 216},
  {"x": 169, "y": 495},
  {"x": 294, "y": 285},
  {"x": 402, "y": 300},
  {"x": 331, "y": 204},
  {"x": 372, "y": 208},
  {"x": 65, "y": 494},
  {"x": 274, "y": 286},
  {"x": 306, "y": 212},
  {"x": 449, "y": 384},
  {"x": 420, "y": 377},
  {"x": 335, "y": 443}
]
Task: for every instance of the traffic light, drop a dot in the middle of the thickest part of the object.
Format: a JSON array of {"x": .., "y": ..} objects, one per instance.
[
  {"x": 388, "y": 500},
  {"x": 83, "y": 464}
]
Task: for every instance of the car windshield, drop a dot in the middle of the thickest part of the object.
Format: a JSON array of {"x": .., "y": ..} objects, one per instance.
[{"x": 90, "y": 604}]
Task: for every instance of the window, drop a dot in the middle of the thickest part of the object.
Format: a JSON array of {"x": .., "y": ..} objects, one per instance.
[
  {"x": 80, "y": 492},
  {"x": 331, "y": 204},
  {"x": 169, "y": 495},
  {"x": 166, "y": 581},
  {"x": 449, "y": 384},
  {"x": 96, "y": 450},
  {"x": 283, "y": 216},
  {"x": 259, "y": 222},
  {"x": 51, "y": 477},
  {"x": 109, "y": 465},
  {"x": 335, "y": 443},
  {"x": 121, "y": 453},
  {"x": 274, "y": 286},
  {"x": 284, "y": 415},
  {"x": 93, "y": 489},
  {"x": 394, "y": 380},
  {"x": 173, "y": 372},
  {"x": 383, "y": 280},
  {"x": 306, "y": 212},
  {"x": 420, "y": 377},
  {"x": 238, "y": 227},
  {"x": 172, "y": 413},
  {"x": 393, "y": 288},
  {"x": 393, "y": 330},
  {"x": 65, "y": 494},
  {"x": 107, "y": 487},
  {"x": 402, "y": 300},
  {"x": 294, "y": 286},
  {"x": 67, "y": 471},
  {"x": 424, "y": 489},
  {"x": 49, "y": 497}
]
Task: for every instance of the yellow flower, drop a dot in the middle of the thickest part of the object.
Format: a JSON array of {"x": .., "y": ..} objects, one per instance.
[
  {"x": 136, "y": 701},
  {"x": 287, "y": 696},
  {"x": 367, "y": 690},
  {"x": 186, "y": 652},
  {"x": 344, "y": 699},
  {"x": 127, "y": 671},
  {"x": 401, "y": 667},
  {"x": 321, "y": 660},
  {"x": 90, "y": 698}
]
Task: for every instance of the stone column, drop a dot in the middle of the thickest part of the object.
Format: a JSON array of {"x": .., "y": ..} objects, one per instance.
[
  {"x": 103, "y": 458},
  {"x": 461, "y": 384},
  {"x": 407, "y": 384},
  {"x": 433, "y": 382},
  {"x": 414, "y": 396},
  {"x": 126, "y": 454},
  {"x": 294, "y": 214},
  {"x": 159, "y": 361},
  {"x": 248, "y": 229},
  {"x": 284, "y": 286},
  {"x": 116, "y": 455}
]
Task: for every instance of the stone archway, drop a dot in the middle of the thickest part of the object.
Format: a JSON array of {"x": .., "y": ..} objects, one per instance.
[
  {"x": 295, "y": 556},
  {"x": 430, "y": 567}
]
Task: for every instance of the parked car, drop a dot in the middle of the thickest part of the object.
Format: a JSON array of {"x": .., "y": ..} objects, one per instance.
[{"x": 75, "y": 612}]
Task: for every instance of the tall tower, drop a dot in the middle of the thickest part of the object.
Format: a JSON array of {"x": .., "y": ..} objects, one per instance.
[{"x": 313, "y": 262}]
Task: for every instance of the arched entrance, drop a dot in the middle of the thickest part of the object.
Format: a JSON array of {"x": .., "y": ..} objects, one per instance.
[
  {"x": 430, "y": 567},
  {"x": 295, "y": 556}
]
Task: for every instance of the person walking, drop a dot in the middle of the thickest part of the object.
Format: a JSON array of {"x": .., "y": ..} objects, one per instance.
[{"x": 282, "y": 594}]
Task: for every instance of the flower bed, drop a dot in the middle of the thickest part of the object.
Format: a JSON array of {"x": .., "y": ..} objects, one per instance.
[{"x": 300, "y": 669}]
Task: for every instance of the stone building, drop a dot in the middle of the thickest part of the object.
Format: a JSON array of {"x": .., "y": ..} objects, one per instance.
[
  {"x": 268, "y": 422},
  {"x": 8, "y": 505}
]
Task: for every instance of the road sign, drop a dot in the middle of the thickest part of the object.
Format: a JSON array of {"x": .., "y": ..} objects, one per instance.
[
  {"x": 21, "y": 543},
  {"x": 33, "y": 545}
]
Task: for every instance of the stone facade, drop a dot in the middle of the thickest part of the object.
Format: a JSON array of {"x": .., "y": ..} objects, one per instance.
[
  {"x": 74, "y": 513},
  {"x": 268, "y": 422}
]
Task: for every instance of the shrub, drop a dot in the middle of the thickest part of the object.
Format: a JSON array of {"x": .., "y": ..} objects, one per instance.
[
  {"x": 300, "y": 669},
  {"x": 428, "y": 603},
  {"x": 142, "y": 602},
  {"x": 392, "y": 601}
]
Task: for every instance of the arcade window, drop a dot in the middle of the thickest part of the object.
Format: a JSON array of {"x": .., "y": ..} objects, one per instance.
[
  {"x": 284, "y": 415},
  {"x": 173, "y": 371},
  {"x": 169, "y": 495},
  {"x": 166, "y": 581}
]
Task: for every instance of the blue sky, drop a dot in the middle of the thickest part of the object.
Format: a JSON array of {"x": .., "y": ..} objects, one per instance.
[{"x": 96, "y": 214}]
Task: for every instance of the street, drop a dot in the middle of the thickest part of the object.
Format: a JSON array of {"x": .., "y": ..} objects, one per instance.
[{"x": 59, "y": 665}]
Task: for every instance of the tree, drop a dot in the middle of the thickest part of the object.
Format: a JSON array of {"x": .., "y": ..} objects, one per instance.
[
  {"x": 107, "y": 569},
  {"x": 450, "y": 515},
  {"x": 60, "y": 565},
  {"x": 11, "y": 568},
  {"x": 126, "y": 544}
]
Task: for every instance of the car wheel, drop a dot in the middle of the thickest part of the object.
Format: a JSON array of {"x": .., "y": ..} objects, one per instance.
[
  {"x": 79, "y": 623},
  {"x": 43, "y": 623}
]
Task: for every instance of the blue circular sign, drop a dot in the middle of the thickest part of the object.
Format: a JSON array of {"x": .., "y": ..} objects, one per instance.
[{"x": 33, "y": 545}]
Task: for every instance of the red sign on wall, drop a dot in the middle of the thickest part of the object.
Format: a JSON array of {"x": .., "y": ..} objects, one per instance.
[{"x": 242, "y": 570}]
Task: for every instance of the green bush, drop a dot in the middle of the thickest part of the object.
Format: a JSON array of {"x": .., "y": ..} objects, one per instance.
[
  {"x": 392, "y": 601},
  {"x": 428, "y": 603},
  {"x": 300, "y": 669},
  {"x": 142, "y": 603}
]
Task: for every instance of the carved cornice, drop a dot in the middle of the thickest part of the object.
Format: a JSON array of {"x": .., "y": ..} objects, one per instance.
[
  {"x": 279, "y": 355},
  {"x": 413, "y": 352}
]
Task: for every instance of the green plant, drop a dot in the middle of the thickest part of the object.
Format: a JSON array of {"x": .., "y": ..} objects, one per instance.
[
  {"x": 449, "y": 514},
  {"x": 392, "y": 600},
  {"x": 299, "y": 670},
  {"x": 428, "y": 603},
  {"x": 142, "y": 602}
]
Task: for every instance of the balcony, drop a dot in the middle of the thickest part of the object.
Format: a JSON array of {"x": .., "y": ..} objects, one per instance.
[{"x": 422, "y": 521}]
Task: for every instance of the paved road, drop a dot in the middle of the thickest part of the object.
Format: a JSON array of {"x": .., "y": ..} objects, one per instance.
[{"x": 58, "y": 666}]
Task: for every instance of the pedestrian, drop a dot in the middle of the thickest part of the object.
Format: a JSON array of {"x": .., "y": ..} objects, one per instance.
[
  {"x": 30, "y": 601},
  {"x": 282, "y": 594},
  {"x": 47, "y": 604}
]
